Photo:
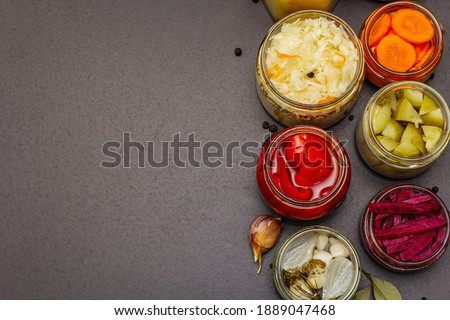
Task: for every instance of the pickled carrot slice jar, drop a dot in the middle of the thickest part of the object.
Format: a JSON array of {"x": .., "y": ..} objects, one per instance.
[{"x": 402, "y": 41}]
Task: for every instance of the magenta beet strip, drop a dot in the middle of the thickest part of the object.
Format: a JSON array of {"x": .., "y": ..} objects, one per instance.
[
  {"x": 431, "y": 250},
  {"x": 410, "y": 227},
  {"x": 405, "y": 208},
  {"x": 420, "y": 242}
]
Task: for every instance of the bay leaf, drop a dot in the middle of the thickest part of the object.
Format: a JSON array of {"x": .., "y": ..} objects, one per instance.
[
  {"x": 384, "y": 290},
  {"x": 363, "y": 294}
]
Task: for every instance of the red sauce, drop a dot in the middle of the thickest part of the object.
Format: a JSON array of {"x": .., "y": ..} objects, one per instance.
[{"x": 301, "y": 172}]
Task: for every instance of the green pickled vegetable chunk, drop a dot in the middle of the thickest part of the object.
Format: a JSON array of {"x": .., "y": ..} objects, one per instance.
[
  {"x": 388, "y": 143},
  {"x": 393, "y": 130},
  {"x": 406, "y": 112},
  {"x": 406, "y": 150},
  {"x": 415, "y": 97},
  {"x": 432, "y": 136},
  {"x": 427, "y": 105},
  {"x": 415, "y": 136},
  {"x": 381, "y": 117},
  {"x": 434, "y": 118}
]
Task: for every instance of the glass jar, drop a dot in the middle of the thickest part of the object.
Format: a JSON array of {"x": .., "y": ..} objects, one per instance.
[
  {"x": 321, "y": 114},
  {"x": 381, "y": 76},
  {"x": 302, "y": 237},
  {"x": 280, "y": 8},
  {"x": 303, "y": 172},
  {"x": 380, "y": 159},
  {"x": 377, "y": 249}
]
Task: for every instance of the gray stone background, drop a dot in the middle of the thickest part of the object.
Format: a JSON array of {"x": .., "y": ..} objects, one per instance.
[{"x": 76, "y": 74}]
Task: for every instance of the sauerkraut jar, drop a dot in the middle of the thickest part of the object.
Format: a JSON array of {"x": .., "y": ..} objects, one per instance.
[{"x": 309, "y": 69}]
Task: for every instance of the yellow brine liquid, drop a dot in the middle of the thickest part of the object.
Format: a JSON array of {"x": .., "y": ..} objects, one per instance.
[{"x": 281, "y": 8}]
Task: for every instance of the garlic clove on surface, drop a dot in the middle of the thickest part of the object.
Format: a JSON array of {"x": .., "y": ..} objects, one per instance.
[
  {"x": 321, "y": 242},
  {"x": 325, "y": 256},
  {"x": 264, "y": 233},
  {"x": 338, "y": 250}
]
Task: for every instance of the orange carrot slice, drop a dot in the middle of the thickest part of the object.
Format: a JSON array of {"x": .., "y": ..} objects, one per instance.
[
  {"x": 424, "y": 59},
  {"x": 396, "y": 54},
  {"x": 421, "y": 50},
  {"x": 412, "y": 26},
  {"x": 379, "y": 29}
]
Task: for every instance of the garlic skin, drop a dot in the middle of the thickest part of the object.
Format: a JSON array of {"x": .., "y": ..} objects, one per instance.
[
  {"x": 264, "y": 233},
  {"x": 337, "y": 250}
]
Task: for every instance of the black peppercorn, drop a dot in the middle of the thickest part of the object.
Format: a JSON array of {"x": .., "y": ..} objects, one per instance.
[
  {"x": 238, "y": 51},
  {"x": 265, "y": 125},
  {"x": 273, "y": 128},
  {"x": 435, "y": 189},
  {"x": 310, "y": 75},
  {"x": 255, "y": 1},
  {"x": 351, "y": 117},
  {"x": 431, "y": 77}
]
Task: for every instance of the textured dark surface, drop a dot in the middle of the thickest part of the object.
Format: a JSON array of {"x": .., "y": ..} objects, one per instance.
[{"x": 76, "y": 74}]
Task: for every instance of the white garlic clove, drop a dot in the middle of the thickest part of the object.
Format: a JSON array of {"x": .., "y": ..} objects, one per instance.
[
  {"x": 325, "y": 256},
  {"x": 316, "y": 280},
  {"x": 333, "y": 240},
  {"x": 338, "y": 250},
  {"x": 321, "y": 242}
]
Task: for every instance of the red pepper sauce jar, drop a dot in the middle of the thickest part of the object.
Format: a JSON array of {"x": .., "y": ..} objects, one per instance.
[
  {"x": 428, "y": 54},
  {"x": 303, "y": 172},
  {"x": 405, "y": 228}
]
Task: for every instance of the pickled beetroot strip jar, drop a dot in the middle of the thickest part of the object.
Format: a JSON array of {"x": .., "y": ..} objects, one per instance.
[
  {"x": 303, "y": 172},
  {"x": 378, "y": 247}
]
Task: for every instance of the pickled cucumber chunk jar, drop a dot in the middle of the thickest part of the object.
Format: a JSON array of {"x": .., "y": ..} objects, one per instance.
[
  {"x": 280, "y": 8},
  {"x": 403, "y": 130},
  {"x": 309, "y": 69}
]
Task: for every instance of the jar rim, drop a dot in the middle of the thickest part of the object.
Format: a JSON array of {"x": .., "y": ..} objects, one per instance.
[
  {"x": 372, "y": 19},
  {"x": 352, "y": 36},
  {"x": 279, "y": 284},
  {"x": 390, "y": 158},
  {"x": 336, "y": 147},
  {"x": 381, "y": 256}
]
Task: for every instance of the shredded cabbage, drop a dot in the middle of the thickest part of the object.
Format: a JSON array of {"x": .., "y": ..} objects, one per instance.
[{"x": 311, "y": 60}]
